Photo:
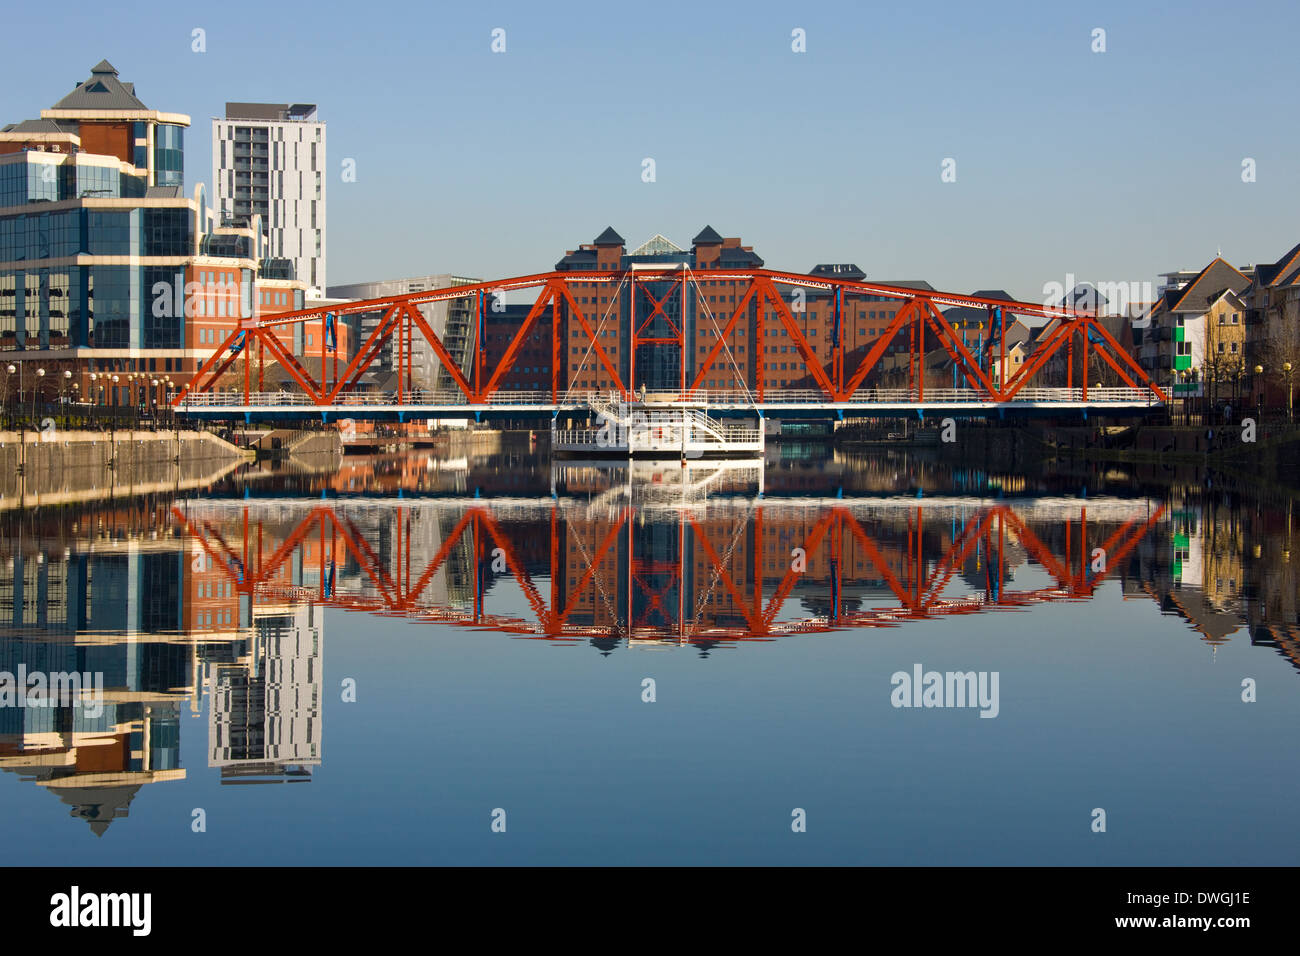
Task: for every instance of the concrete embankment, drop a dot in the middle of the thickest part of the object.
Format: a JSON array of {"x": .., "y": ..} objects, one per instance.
[{"x": 69, "y": 466}]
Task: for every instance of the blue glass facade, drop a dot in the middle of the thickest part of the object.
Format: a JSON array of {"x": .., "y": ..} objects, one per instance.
[
  {"x": 114, "y": 305},
  {"x": 48, "y": 306},
  {"x": 133, "y": 232},
  {"x": 38, "y": 307},
  {"x": 160, "y": 331},
  {"x": 169, "y": 155},
  {"x": 27, "y": 180},
  {"x": 140, "y": 152}
]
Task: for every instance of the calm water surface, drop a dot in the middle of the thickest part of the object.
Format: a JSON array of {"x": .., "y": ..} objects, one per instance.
[{"x": 372, "y": 665}]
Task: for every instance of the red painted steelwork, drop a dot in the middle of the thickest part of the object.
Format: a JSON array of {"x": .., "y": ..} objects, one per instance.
[{"x": 920, "y": 310}]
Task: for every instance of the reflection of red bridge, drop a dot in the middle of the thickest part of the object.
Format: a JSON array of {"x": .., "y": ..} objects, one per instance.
[
  {"x": 713, "y": 574},
  {"x": 667, "y": 307}
]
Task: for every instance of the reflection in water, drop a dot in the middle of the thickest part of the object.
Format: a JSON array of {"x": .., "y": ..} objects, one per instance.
[
  {"x": 125, "y": 599},
  {"x": 702, "y": 573},
  {"x": 225, "y": 594}
]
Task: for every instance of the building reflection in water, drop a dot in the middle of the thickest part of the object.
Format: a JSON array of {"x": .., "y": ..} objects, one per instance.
[
  {"x": 225, "y": 595},
  {"x": 118, "y": 594}
]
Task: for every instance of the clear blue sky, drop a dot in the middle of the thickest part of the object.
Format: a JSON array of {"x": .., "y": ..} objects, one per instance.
[{"x": 1113, "y": 166}]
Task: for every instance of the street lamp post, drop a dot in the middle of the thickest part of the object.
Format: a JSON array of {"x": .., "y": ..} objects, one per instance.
[
  {"x": 10, "y": 369},
  {"x": 36, "y": 390},
  {"x": 1290, "y": 404},
  {"x": 1259, "y": 395},
  {"x": 112, "y": 422},
  {"x": 65, "y": 380}
]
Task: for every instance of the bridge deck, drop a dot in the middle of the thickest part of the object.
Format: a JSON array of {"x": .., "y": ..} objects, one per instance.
[{"x": 775, "y": 403}]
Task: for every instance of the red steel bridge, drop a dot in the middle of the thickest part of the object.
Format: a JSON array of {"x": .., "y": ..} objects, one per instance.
[
  {"x": 232, "y": 381},
  {"x": 721, "y": 572}
]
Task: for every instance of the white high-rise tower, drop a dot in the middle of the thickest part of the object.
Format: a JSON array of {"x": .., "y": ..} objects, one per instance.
[{"x": 268, "y": 159}]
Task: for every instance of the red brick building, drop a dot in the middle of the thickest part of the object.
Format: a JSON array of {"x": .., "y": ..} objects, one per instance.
[{"x": 609, "y": 310}]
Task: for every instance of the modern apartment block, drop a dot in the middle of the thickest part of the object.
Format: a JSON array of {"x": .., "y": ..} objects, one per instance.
[
  {"x": 268, "y": 160},
  {"x": 115, "y": 286},
  {"x": 264, "y": 718},
  {"x": 452, "y": 321},
  {"x": 1179, "y": 342}
]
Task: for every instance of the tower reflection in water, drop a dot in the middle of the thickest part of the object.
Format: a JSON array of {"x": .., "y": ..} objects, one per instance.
[{"x": 171, "y": 599}]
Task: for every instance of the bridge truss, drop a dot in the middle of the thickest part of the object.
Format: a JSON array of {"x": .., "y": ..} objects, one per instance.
[{"x": 919, "y": 320}]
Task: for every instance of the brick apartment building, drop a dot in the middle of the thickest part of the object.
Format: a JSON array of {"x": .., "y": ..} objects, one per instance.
[{"x": 609, "y": 310}]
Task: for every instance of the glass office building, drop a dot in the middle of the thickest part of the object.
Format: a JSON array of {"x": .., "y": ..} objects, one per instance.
[{"x": 105, "y": 265}]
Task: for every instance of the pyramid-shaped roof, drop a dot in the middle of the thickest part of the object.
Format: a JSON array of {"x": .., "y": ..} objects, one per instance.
[
  {"x": 708, "y": 236},
  {"x": 103, "y": 91},
  {"x": 609, "y": 238},
  {"x": 1087, "y": 294},
  {"x": 40, "y": 126},
  {"x": 1217, "y": 275},
  {"x": 1285, "y": 268},
  {"x": 656, "y": 245}
]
